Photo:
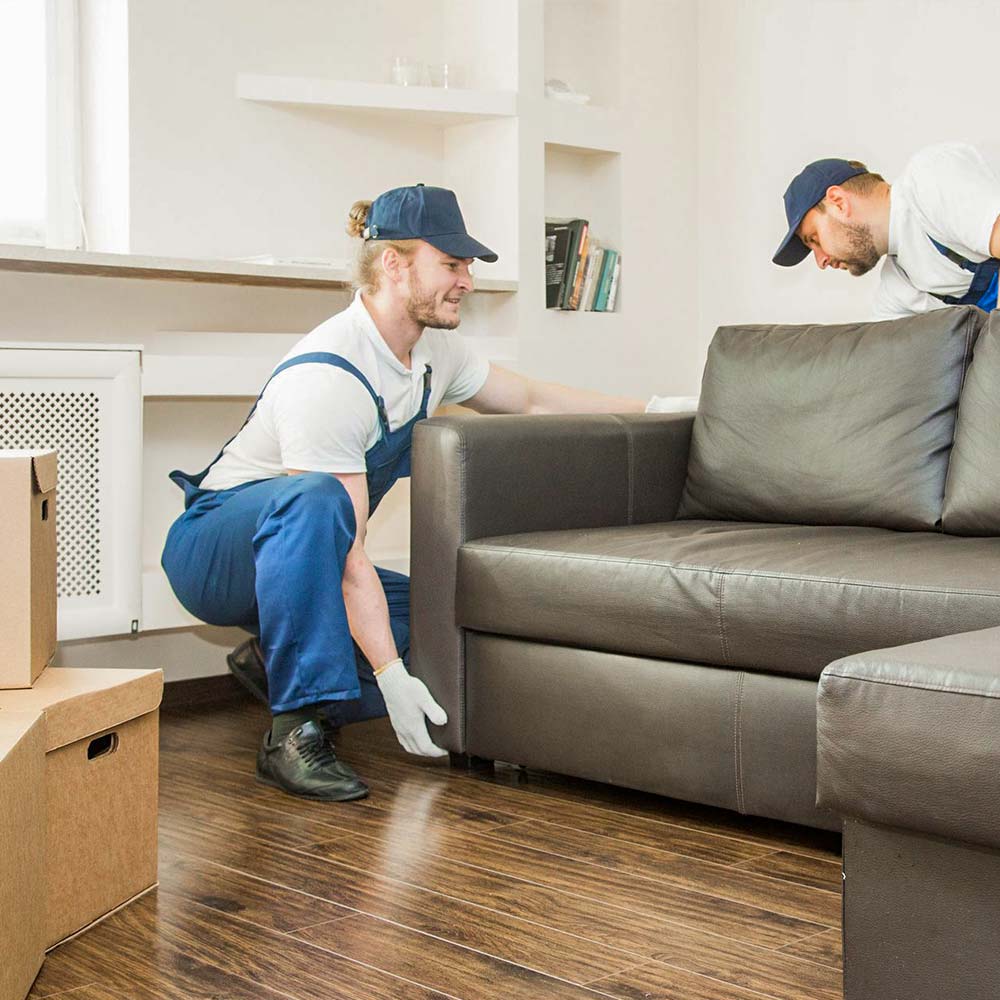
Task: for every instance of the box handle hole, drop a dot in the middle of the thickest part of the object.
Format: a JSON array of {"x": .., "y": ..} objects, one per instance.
[
  {"x": 45, "y": 510},
  {"x": 102, "y": 746}
]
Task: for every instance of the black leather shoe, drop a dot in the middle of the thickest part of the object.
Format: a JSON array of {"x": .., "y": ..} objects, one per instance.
[
  {"x": 246, "y": 664},
  {"x": 305, "y": 763}
]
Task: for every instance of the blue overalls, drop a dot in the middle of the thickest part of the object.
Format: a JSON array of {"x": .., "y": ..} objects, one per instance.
[
  {"x": 983, "y": 290},
  {"x": 268, "y": 556}
]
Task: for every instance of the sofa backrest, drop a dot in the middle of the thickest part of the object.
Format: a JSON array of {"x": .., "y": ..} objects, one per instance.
[
  {"x": 848, "y": 424},
  {"x": 972, "y": 493}
]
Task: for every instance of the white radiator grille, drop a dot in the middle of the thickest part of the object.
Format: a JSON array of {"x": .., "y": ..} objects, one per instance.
[
  {"x": 71, "y": 423},
  {"x": 87, "y": 404}
]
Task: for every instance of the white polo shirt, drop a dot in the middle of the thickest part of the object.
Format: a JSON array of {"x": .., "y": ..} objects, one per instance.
[
  {"x": 318, "y": 418},
  {"x": 947, "y": 191}
]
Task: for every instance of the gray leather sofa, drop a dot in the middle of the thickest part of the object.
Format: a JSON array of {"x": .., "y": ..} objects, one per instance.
[{"x": 651, "y": 601}]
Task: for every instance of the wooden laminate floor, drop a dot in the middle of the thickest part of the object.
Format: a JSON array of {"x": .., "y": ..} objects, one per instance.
[{"x": 443, "y": 883}]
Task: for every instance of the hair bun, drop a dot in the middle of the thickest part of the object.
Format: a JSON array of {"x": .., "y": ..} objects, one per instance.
[{"x": 357, "y": 218}]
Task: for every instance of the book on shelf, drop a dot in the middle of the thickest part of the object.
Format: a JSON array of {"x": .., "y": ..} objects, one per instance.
[
  {"x": 613, "y": 290},
  {"x": 578, "y": 234},
  {"x": 594, "y": 258},
  {"x": 558, "y": 236},
  {"x": 562, "y": 250},
  {"x": 573, "y": 301},
  {"x": 604, "y": 283}
]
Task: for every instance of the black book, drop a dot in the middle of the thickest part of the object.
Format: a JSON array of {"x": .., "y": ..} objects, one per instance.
[{"x": 561, "y": 248}]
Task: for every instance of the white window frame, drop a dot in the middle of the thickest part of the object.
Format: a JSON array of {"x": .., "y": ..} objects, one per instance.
[{"x": 64, "y": 212}]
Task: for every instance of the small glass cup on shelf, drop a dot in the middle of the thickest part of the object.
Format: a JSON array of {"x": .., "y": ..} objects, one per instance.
[{"x": 408, "y": 72}]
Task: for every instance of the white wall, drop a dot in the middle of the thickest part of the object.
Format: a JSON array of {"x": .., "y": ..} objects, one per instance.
[
  {"x": 785, "y": 82},
  {"x": 179, "y": 166}
]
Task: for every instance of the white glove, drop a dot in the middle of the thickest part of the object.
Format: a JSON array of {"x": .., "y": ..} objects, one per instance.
[
  {"x": 408, "y": 702},
  {"x": 672, "y": 404}
]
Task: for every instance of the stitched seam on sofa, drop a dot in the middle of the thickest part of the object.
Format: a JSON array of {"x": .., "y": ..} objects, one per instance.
[
  {"x": 750, "y": 574},
  {"x": 630, "y": 452},
  {"x": 916, "y": 687},
  {"x": 738, "y": 742}
]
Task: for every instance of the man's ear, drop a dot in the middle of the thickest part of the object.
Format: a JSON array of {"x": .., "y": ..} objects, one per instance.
[
  {"x": 839, "y": 200},
  {"x": 392, "y": 264}
]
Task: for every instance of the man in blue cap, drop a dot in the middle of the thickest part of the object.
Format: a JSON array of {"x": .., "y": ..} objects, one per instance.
[
  {"x": 273, "y": 532},
  {"x": 938, "y": 227}
]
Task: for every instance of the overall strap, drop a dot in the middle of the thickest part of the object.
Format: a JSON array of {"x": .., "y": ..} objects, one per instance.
[
  {"x": 956, "y": 258},
  {"x": 313, "y": 358},
  {"x": 326, "y": 358},
  {"x": 427, "y": 387},
  {"x": 983, "y": 288}
]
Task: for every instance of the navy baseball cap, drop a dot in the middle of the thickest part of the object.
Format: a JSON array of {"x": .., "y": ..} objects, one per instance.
[
  {"x": 424, "y": 213},
  {"x": 805, "y": 192}
]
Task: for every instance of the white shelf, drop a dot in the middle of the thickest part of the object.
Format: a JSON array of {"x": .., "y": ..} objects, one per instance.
[
  {"x": 18, "y": 257},
  {"x": 429, "y": 105},
  {"x": 582, "y": 128}
]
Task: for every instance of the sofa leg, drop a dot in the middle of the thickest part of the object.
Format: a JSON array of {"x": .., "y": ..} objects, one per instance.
[{"x": 469, "y": 762}]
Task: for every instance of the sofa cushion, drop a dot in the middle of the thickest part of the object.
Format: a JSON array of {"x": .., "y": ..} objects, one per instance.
[
  {"x": 972, "y": 495},
  {"x": 847, "y": 424},
  {"x": 783, "y": 599}
]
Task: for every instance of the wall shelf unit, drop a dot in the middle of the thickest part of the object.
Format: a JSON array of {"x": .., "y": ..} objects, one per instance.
[{"x": 430, "y": 105}]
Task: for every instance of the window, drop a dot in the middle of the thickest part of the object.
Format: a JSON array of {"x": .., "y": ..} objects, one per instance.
[{"x": 39, "y": 171}]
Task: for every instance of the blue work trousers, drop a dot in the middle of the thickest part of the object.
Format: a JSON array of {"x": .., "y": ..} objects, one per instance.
[{"x": 269, "y": 557}]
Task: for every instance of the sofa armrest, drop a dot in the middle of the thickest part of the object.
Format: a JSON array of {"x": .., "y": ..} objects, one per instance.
[
  {"x": 908, "y": 737},
  {"x": 475, "y": 476}
]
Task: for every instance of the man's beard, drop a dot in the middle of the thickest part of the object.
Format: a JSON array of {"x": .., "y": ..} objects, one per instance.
[
  {"x": 863, "y": 254},
  {"x": 422, "y": 308}
]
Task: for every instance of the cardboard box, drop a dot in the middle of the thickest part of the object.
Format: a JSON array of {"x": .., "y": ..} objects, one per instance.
[
  {"x": 27, "y": 565},
  {"x": 22, "y": 851},
  {"x": 101, "y": 782}
]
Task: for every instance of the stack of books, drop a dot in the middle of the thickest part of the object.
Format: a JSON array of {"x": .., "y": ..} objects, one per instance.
[{"x": 580, "y": 273}]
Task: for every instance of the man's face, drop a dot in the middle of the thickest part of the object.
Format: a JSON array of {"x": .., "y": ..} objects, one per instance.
[
  {"x": 847, "y": 246},
  {"x": 438, "y": 283}
]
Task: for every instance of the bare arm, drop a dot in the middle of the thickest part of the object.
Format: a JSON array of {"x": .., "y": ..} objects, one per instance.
[
  {"x": 995, "y": 239},
  {"x": 507, "y": 392},
  {"x": 367, "y": 611}
]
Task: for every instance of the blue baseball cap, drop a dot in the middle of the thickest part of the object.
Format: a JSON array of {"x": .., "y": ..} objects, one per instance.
[
  {"x": 424, "y": 213},
  {"x": 804, "y": 193}
]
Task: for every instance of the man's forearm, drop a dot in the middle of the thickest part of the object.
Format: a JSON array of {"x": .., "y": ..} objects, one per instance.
[
  {"x": 367, "y": 611},
  {"x": 550, "y": 397}
]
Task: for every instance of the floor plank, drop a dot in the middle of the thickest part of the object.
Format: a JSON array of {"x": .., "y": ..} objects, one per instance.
[
  {"x": 815, "y": 872},
  {"x": 768, "y": 893},
  {"x": 452, "y": 969},
  {"x": 825, "y": 948}
]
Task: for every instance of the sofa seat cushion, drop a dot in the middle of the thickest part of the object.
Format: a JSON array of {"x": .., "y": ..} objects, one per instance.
[{"x": 777, "y": 598}]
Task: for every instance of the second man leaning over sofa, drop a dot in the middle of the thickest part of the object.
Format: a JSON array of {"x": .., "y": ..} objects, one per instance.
[{"x": 272, "y": 538}]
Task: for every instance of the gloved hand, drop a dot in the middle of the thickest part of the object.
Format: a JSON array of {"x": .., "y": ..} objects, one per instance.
[
  {"x": 409, "y": 705},
  {"x": 672, "y": 404}
]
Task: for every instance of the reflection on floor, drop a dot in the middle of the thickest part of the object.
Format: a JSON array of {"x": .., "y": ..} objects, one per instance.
[{"x": 498, "y": 886}]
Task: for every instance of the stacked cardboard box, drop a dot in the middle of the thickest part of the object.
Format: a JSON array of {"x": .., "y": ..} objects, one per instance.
[
  {"x": 78, "y": 751},
  {"x": 27, "y": 565}
]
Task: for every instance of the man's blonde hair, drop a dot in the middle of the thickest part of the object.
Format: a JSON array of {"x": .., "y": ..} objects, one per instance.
[{"x": 367, "y": 262}]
